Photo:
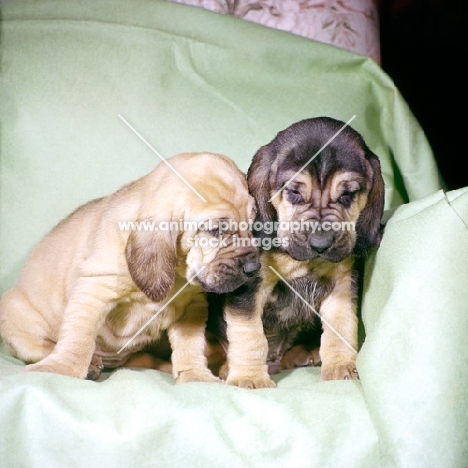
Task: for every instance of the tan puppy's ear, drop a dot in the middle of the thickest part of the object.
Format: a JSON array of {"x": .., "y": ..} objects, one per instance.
[
  {"x": 259, "y": 181},
  {"x": 151, "y": 259},
  {"x": 369, "y": 228}
]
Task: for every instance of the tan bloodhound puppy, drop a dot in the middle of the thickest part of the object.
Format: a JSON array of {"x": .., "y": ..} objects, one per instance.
[{"x": 93, "y": 292}]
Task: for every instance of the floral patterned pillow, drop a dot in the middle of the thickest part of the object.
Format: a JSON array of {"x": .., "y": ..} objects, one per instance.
[{"x": 349, "y": 24}]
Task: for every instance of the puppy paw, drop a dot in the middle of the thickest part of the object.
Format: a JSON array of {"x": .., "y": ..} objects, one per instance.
[
  {"x": 340, "y": 371},
  {"x": 148, "y": 361},
  {"x": 196, "y": 375},
  {"x": 95, "y": 368},
  {"x": 260, "y": 380},
  {"x": 55, "y": 367},
  {"x": 300, "y": 356}
]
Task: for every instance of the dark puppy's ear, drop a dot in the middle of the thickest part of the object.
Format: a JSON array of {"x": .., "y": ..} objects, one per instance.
[
  {"x": 369, "y": 228},
  {"x": 258, "y": 180},
  {"x": 152, "y": 259}
]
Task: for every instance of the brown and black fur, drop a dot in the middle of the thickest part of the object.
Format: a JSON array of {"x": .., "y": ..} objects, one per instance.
[{"x": 343, "y": 182}]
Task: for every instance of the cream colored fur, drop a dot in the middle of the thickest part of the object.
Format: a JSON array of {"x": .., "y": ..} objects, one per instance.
[{"x": 89, "y": 287}]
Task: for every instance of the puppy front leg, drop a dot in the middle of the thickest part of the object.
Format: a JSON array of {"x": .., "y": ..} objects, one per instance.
[
  {"x": 187, "y": 338},
  {"x": 247, "y": 344},
  {"x": 338, "y": 347},
  {"x": 247, "y": 351},
  {"x": 83, "y": 316}
]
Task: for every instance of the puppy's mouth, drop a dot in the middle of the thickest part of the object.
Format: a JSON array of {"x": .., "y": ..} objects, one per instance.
[
  {"x": 303, "y": 251},
  {"x": 310, "y": 255},
  {"x": 226, "y": 280},
  {"x": 224, "y": 286}
]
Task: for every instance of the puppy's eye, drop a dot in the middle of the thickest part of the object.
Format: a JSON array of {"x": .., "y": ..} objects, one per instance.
[
  {"x": 346, "y": 198},
  {"x": 294, "y": 196}
]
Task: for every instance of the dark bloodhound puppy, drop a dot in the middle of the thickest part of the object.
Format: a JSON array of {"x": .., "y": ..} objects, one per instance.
[{"x": 320, "y": 198}]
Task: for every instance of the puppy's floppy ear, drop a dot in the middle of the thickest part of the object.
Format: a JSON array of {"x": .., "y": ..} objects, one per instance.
[
  {"x": 369, "y": 228},
  {"x": 258, "y": 180},
  {"x": 152, "y": 259}
]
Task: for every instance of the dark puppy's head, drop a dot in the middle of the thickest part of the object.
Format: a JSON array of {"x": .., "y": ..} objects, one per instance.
[{"x": 320, "y": 187}]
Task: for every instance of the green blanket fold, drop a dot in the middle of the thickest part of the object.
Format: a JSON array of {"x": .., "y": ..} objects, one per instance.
[
  {"x": 414, "y": 362},
  {"x": 191, "y": 80}
]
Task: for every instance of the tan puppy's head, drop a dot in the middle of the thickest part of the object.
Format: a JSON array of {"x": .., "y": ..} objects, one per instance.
[
  {"x": 202, "y": 213},
  {"x": 322, "y": 187}
]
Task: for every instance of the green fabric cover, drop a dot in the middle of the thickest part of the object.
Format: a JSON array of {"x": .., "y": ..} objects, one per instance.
[{"x": 192, "y": 80}]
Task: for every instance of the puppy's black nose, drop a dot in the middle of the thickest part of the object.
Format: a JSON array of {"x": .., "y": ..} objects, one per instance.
[
  {"x": 251, "y": 268},
  {"x": 321, "y": 241}
]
